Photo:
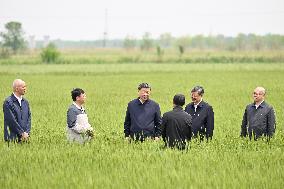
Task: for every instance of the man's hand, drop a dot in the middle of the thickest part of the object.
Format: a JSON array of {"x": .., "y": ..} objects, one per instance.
[
  {"x": 25, "y": 136},
  {"x": 90, "y": 132}
]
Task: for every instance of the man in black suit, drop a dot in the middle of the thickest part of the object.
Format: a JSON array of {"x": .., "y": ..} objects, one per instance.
[
  {"x": 176, "y": 125},
  {"x": 202, "y": 115}
]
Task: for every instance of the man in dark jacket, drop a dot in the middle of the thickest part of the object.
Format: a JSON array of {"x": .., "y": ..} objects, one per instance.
[
  {"x": 143, "y": 116},
  {"x": 202, "y": 115},
  {"x": 259, "y": 117},
  {"x": 176, "y": 125},
  {"x": 17, "y": 114}
]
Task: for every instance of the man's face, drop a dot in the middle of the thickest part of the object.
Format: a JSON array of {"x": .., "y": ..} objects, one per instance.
[
  {"x": 258, "y": 95},
  {"x": 82, "y": 98},
  {"x": 21, "y": 88},
  {"x": 195, "y": 97},
  {"x": 144, "y": 94}
]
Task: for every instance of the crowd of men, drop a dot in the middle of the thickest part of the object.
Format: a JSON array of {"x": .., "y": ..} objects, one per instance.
[{"x": 143, "y": 118}]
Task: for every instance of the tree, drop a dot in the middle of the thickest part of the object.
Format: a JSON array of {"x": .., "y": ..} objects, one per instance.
[
  {"x": 50, "y": 53},
  {"x": 160, "y": 53},
  {"x": 241, "y": 41},
  {"x": 147, "y": 41},
  {"x": 129, "y": 42},
  {"x": 166, "y": 40},
  {"x": 13, "y": 37},
  {"x": 184, "y": 41}
]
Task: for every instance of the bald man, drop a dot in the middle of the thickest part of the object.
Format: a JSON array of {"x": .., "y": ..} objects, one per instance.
[
  {"x": 259, "y": 117},
  {"x": 17, "y": 114}
]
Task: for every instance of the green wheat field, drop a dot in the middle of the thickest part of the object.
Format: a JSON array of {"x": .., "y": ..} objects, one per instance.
[{"x": 228, "y": 161}]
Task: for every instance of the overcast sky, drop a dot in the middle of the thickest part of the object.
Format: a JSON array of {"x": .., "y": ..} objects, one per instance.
[{"x": 85, "y": 19}]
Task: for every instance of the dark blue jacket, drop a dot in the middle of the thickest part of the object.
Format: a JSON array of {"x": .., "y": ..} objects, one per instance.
[
  {"x": 17, "y": 119},
  {"x": 202, "y": 119},
  {"x": 143, "y": 119}
]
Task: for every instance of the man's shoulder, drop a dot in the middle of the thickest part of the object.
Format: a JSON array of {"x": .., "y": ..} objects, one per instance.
[
  {"x": 206, "y": 104},
  {"x": 153, "y": 102},
  {"x": 168, "y": 113},
  {"x": 173, "y": 113},
  {"x": 190, "y": 105},
  {"x": 134, "y": 101},
  {"x": 72, "y": 107},
  {"x": 249, "y": 105},
  {"x": 9, "y": 99},
  {"x": 265, "y": 104}
]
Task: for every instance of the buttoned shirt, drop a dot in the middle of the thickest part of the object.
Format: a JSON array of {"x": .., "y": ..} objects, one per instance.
[
  {"x": 80, "y": 108},
  {"x": 142, "y": 118},
  {"x": 258, "y": 121},
  {"x": 202, "y": 119},
  {"x": 19, "y": 99}
]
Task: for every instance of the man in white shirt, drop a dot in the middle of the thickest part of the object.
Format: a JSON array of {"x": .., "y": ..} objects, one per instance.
[
  {"x": 78, "y": 127},
  {"x": 17, "y": 114},
  {"x": 202, "y": 114},
  {"x": 259, "y": 117}
]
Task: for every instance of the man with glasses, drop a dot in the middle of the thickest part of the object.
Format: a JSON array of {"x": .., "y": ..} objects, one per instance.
[
  {"x": 143, "y": 116},
  {"x": 259, "y": 117}
]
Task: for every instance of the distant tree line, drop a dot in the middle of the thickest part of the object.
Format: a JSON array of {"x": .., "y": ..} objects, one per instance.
[
  {"x": 12, "y": 41},
  {"x": 241, "y": 42}
]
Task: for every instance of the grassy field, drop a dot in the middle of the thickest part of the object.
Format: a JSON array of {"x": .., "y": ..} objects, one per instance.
[{"x": 48, "y": 161}]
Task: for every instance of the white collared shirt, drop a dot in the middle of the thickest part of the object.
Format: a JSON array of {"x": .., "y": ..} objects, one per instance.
[
  {"x": 195, "y": 105},
  {"x": 141, "y": 101},
  {"x": 256, "y": 106},
  {"x": 19, "y": 99},
  {"x": 80, "y": 108}
]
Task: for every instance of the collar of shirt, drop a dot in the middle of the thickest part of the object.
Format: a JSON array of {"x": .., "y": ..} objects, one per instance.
[
  {"x": 80, "y": 108},
  {"x": 19, "y": 99},
  {"x": 140, "y": 101},
  {"x": 195, "y": 105},
  {"x": 177, "y": 108},
  {"x": 256, "y": 106}
]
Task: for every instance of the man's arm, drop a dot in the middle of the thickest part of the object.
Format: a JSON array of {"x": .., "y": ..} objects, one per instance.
[
  {"x": 11, "y": 119},
  {"x": 71, "y": 118},
  {"x": 164, "y": 127},
  {"x": 244, "y": 131},
  {"x": 29, "y": 119},
  {"x": 271, "y": 124},
  {"x": 210, "y": 123},
  {"x": 189, "y": 125},
  {"x": 127, "y": 123},
  {"x": 158, "y": 122}
]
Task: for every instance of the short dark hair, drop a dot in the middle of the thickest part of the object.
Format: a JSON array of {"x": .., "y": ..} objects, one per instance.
[
  {"x": 143, "y": 85},
  {"x": 179, "y": 99},
  {"x": 76, "y": 92},
  {"x": 198, "y": 89}
]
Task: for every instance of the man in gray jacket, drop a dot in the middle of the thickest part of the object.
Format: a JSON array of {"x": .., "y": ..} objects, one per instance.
[
  {"x": 259, "y": 117},
  {"x": 78, "y": 127}
]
